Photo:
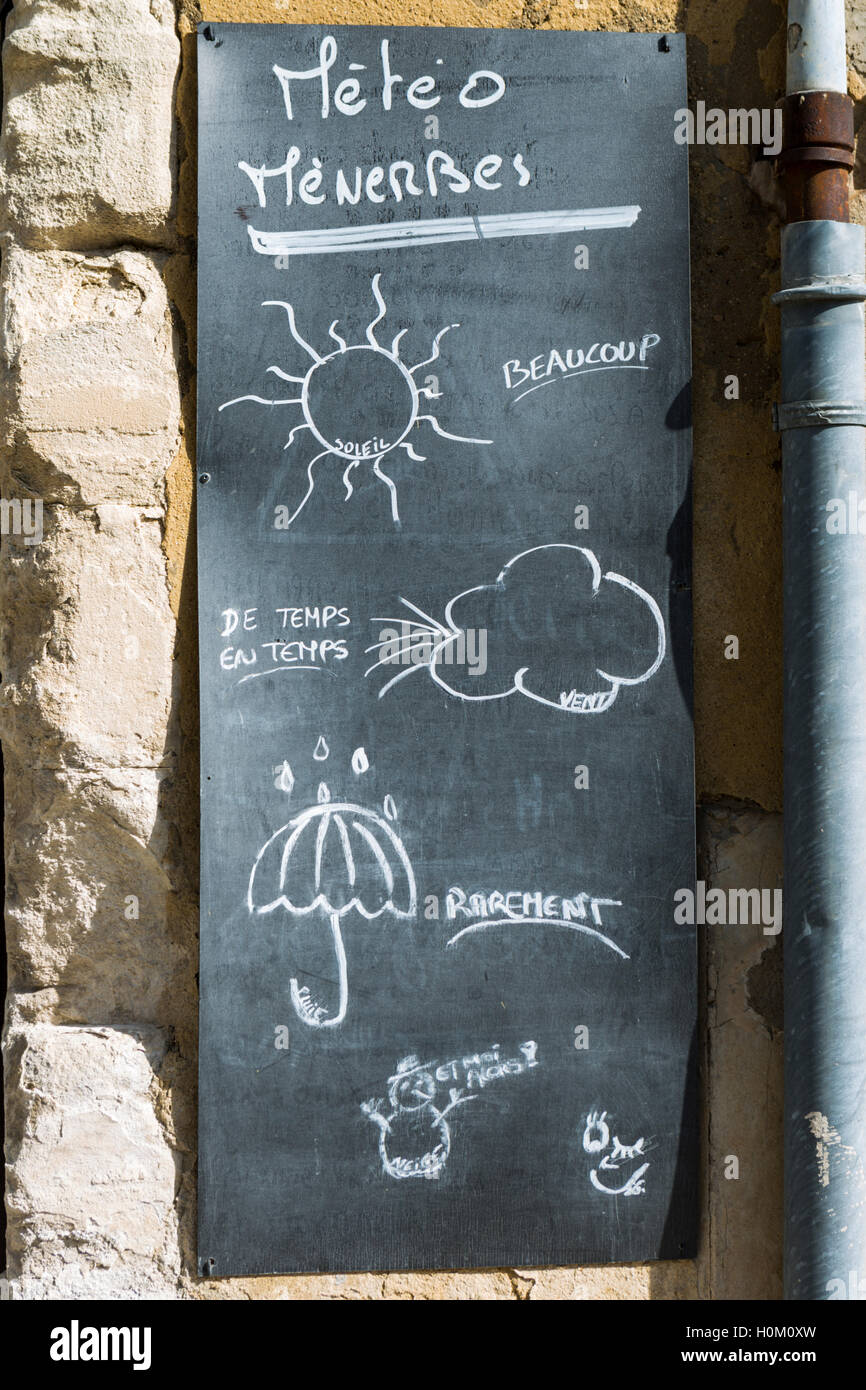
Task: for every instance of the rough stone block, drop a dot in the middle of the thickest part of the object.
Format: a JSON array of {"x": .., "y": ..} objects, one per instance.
[
  {"x": 91, "y": 1176},
  {"x": 88, "y": 142},
  {"x": 91, "y": 395},
  {"x": 93, "y": 919},
  {"x": 87, "y": 662}
]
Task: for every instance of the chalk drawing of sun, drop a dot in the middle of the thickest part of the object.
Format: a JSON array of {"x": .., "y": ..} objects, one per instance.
[{"x": 360, "y": 402}]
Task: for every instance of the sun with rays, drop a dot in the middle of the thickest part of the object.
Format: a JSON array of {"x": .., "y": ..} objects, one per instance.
[{"x": 360, "y": 402}]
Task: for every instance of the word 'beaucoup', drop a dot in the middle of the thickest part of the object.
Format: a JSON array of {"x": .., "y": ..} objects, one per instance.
[{"x": 547, "y": 364}]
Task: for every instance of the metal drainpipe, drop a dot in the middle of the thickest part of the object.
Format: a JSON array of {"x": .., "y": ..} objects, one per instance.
[{"x": 822, "y": 419}]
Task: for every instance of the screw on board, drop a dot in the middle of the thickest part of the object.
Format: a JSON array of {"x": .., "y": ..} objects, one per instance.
[
  {"x": 207, "y": 1266},
  {"x": 664, "y": 44},
  {"x": 204, "y": 477}
]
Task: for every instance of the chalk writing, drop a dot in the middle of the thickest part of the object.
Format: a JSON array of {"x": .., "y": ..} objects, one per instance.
[
  {"x": 481, "y": 88},
  {"x": 311, "y": 179},
  {"x": 528, "y": 656},
  {"x": 555, "y": 365},
  {"x": 486, "y": 911},
  {"x": 340, "y": 395},
  {"x": 416, "y": 1117},
  {"x": 291, "y": 646}
]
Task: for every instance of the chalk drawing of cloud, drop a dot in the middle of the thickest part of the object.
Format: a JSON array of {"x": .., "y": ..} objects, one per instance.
[{"x": 552, "y": 626}]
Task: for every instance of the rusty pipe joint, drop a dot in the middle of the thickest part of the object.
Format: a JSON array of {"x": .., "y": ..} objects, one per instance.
[{"x": 818, "y": 156}]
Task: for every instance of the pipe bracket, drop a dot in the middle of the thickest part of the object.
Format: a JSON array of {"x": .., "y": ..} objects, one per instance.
[
  {"x": 833, "y": 287},
  {"x": 819, "y": 120},
  {"x": 818, "y": 155},
  {"x": 801, "y": 415}
]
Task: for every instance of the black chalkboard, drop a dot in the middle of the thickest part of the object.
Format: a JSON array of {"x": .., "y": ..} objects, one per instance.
[{"x": 446, "y": 753}]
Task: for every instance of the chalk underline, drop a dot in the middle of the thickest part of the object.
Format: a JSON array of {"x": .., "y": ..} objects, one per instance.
[
  {"x": 276, "y": 671},
  {"x": 536, "y": 922},
  {"x": 430, "y": 231},
  {"x": 584, "y": 371}
]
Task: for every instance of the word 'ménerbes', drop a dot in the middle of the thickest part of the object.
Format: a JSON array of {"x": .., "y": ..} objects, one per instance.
[{"x": 430, "y": 176}]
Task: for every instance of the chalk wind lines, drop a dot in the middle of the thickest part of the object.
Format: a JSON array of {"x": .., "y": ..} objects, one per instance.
[{"x": 432, "y": 231}]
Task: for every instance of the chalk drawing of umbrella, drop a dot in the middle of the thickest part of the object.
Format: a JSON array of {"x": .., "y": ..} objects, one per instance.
[{"x": 333, "y": 859}]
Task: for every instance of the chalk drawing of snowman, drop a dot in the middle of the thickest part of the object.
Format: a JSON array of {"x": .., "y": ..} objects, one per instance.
[{"x": 414, "y": 1122}]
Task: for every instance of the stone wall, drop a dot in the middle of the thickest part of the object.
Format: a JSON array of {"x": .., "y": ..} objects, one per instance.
[{"x": 99, "y": 661}]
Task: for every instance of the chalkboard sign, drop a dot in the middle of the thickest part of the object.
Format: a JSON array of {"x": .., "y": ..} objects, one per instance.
[{"x": 444, "y": 444}]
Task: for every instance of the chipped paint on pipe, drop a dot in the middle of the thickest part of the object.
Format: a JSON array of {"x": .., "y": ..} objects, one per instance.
[
  {"x": 817, "y": 58},
  {"x": 823, "y": 419},
  {"x": 824, "y": 469}
]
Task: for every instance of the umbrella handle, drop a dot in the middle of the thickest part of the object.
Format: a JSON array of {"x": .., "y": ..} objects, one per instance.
[
  {"x": 340, "y": 952},
  {"x": 343, "y": 978}
]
